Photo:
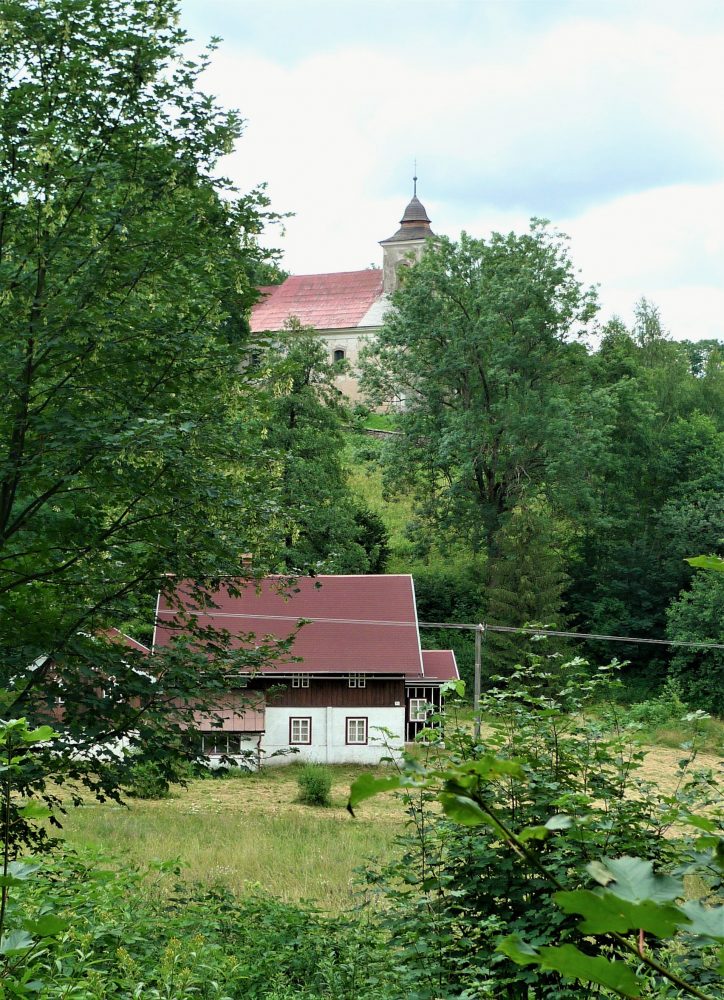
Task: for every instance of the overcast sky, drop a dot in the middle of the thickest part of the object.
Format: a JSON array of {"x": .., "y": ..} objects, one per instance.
[{"x": 603, "y": 116}]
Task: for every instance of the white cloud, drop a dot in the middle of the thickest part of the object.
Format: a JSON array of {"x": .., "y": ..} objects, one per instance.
[{"x": 612, "y": 128}]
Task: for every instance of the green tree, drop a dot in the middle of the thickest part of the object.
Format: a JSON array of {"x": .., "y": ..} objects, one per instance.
[
  {"x": 319, "y": 526},
  {"x": 697, "y": 615},
  {"x": 496, "y": 406},
  {"x": 528, "y": 584},
  {"x": 126, "y": 269},
  {"x": 660, "y": 492}
]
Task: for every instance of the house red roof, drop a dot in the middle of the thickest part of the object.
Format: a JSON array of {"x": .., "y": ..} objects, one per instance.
[
  {"x": 236, "y": 713},
  {"x": 323, "y": 301},
  {"x": 440, "y": 665},
  {"x": 359, "y": 624},
  {"x": 114, "y": 635}
]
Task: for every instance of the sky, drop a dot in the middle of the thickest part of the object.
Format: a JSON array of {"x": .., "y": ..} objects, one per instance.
[{"x": 604, "y": 116}]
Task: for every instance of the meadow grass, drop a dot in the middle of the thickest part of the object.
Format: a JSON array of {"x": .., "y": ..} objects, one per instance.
[
  {"x": 249, "y": 831},
  {"x": 381, "y": 421},
  {"x": 252, "y": 832}
]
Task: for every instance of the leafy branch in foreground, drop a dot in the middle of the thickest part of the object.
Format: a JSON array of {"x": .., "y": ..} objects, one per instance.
[{"x": 521, "y": 836}]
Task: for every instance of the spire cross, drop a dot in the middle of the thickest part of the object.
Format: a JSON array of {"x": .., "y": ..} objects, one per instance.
[{"x": 414, "y": 181}]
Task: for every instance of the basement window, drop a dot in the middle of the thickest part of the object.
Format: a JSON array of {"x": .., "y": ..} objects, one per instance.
[
  {"x": 356, "y": 731},
  {"x": 218, "y": 744},
  {"x": 300, "y": 731}
]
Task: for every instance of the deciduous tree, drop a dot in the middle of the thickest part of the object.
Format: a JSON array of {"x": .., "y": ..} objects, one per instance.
[{"x": 126, "y": 268}]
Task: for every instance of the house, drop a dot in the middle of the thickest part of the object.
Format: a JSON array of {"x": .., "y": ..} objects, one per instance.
[
  {"x": 346, "y": 308},
  {"x": 357, "y": 668}
]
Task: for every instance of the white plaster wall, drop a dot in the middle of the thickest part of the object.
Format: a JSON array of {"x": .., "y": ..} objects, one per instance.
[
  {"x": 329, "y": 730},
  {"x": 351, "y": 341}
]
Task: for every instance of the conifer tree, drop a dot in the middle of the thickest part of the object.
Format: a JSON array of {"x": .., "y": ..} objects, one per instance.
[{"x": 526, "y": 583}]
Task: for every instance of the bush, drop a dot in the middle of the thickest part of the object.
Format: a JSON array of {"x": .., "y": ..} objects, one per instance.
[
  {"x": 148, "y": 779},
  {"x": 574, "y": 796},
  {"x": 105, "y": 931},
  {"x": 315, "y": 785},
  {"x": 664, "y": 708}
]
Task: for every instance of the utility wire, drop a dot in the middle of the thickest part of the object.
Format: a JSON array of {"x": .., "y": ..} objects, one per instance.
[{"x": 456, "y": 625}]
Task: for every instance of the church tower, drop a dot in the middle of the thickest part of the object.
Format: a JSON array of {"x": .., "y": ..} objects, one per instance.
[{"x": 408, "y": 240}]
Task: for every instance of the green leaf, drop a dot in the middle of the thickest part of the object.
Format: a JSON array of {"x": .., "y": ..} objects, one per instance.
[
  {"x": 40, "y": 735},
  {"x": 569, "y": 961},
  {"x": 605, "y": 912},
  {"x": 559, "y": 822},
  {"x": 706, "y": 921},
  {"x": 46, "y": 925},
  {"x": 700, "y": 822},
  {"x": 22, "y": 870},
  {"x": 534, "y": 833},
  {"x": 463, "y": 810},
  {"x": 634, "y": 879},
  {"x": 714, "y": 563},
  {"x": 15, "y": 942},
  {"x": 367, "y": 785},
  {"x": 491, "y": 766}
]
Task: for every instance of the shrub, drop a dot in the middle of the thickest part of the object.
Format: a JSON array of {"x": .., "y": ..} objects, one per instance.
[
  {"x": 666, "y": 707},
  {"x": 315, "y": 785},
  {"x": 147, "y": 779},
  {"x": 568, "y": 783},
  {"x": 113, "y": 933}
]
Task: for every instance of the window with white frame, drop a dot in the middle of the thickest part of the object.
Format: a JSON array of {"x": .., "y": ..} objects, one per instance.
[
  {"x": 356, "y": 731},
  {"x": 418, "y": 709},
  {"x": 300, "y": 731},
  {"x": 357, "y": 681},
  {"x": 300, "y": 681},
  {"x": 218, "y": 744}
]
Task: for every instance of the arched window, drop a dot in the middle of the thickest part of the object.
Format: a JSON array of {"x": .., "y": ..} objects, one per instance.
[{"x": 338, "y": 355}]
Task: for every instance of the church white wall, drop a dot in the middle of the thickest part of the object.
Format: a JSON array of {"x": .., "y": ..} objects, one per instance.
[
  {"x": 329, "y": 730},
  {"x": 351, "y": 341}
]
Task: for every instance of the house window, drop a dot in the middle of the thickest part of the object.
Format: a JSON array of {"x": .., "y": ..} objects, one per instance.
[
  {"x": 357, "y": 681},
  {"x": 300, "y": 731},
  {"x": 357, "y": 731},
  {"x": 418, "y": 709},
  {"x": 300, "y": 681},
  {"x": 338, "y": 354},
  {"x": 218, "y": 744}
]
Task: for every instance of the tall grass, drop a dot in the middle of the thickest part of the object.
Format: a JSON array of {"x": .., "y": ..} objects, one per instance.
[{"x": 248, "y": 831}]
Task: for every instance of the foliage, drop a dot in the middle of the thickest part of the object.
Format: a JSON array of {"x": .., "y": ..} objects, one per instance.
[
  {"x": 315, "y": 785},
  {"x": 120, "y": 932},
  {"x": 496, "y": 405},
  {"x": 446, "y": 593},
  {"x": 698, "y": 616},
  {"x": 319, "y": 526},
  {"x": 661, "y": 486},
  {"x": 526, "y": 584},
  {"x": 126, "y": 266},
  {"x": 667, "y": 706},
  {"x": 146, "y": 781},
  {"x": 528, "y": 815}
]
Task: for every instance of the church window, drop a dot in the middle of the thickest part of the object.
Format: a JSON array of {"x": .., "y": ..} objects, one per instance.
[{"x": 338, "y": 354}]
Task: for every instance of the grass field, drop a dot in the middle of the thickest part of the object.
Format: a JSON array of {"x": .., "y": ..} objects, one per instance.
[{"x": 250, "y": 831}]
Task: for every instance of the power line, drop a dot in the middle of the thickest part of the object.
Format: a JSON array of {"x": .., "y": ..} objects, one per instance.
[{"x": 457, "y": 625}]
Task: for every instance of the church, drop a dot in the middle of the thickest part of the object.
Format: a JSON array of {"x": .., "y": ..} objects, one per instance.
[{"x": 346, "y": 308}]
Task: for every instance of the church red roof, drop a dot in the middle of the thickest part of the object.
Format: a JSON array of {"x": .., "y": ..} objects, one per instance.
[
  {"x": 323, "y": 301},
  {"x": 359, "y": 624}
]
